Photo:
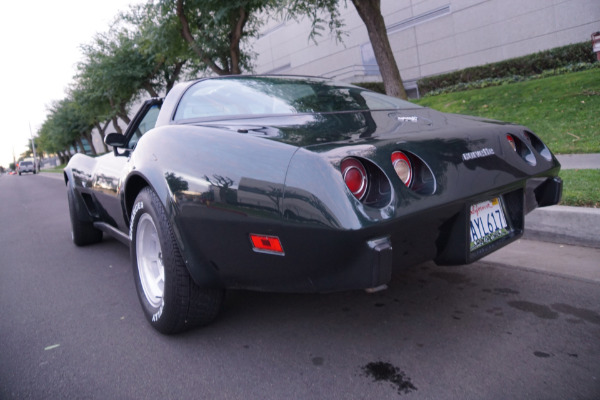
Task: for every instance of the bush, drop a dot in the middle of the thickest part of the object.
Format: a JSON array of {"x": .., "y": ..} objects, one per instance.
[
  {"x": 483, "y": 83},
  {"x": 533, "y": 64}
]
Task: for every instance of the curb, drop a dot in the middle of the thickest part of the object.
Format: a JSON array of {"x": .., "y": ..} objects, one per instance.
[{"x": 578, "y": 226}]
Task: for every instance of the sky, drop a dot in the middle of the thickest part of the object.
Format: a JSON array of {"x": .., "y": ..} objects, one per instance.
[{"x": 40, "y": 47}]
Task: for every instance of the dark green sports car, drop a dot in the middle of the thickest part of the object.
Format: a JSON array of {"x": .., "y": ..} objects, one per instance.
[{"x": 299, "y": 184}]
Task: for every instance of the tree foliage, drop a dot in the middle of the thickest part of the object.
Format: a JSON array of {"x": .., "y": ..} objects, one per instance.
[
  {"x": 159, "y": 39},
  {"x": 154, "y": 44},
  {"x": 323, "y": 15},
  {"x": 216, "y": 30}
]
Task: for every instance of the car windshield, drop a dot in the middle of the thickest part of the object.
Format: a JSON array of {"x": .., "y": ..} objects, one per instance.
[
  {"x": 278, "y": 95},
  {"x": 26, "y": 163}
]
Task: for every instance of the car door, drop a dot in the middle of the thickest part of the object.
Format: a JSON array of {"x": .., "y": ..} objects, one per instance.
[{"x": 111, "y": 168}]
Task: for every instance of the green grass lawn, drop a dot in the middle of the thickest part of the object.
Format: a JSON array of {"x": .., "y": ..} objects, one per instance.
[
  {"x": 581, "y": 187},
  {"x": 564, "y": 110}
]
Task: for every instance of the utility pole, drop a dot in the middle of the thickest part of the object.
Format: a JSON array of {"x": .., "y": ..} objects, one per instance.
[{"x": 35, "y": 161}]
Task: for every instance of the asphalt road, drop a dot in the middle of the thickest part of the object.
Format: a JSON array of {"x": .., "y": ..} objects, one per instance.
[{"x": 71, "y": 328}]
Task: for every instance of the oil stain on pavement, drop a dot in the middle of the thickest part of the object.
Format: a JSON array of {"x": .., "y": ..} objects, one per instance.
[{"x": 384, "y": 371}]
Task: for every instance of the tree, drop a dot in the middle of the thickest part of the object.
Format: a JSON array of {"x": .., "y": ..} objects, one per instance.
[
  {"x": 72, "y": 124},
  {"x": 51, "y": 137},
  {"x": 114, "y": 70},
  {"x": 94, "y": 109}
]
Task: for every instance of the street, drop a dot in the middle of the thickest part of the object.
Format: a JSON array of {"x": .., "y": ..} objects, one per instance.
[{"x": 71, "y": 326}]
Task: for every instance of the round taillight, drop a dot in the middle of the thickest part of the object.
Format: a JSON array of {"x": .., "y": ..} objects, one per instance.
[
  {"x": 402, "y": 167},
  {"x": 355, "y": 177},
  {"x": 511, "y": 142}
]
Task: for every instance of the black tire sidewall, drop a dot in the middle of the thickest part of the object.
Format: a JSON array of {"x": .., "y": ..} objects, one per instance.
[{"x": 146, "y": 203}]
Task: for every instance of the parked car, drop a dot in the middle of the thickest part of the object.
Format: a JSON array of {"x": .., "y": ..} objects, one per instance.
[
  {"x": 299, "y": 184},
  {"x": 26, "y": 165}
]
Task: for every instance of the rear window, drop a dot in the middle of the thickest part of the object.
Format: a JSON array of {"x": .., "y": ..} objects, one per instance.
[{"x": 278, "y": 95}]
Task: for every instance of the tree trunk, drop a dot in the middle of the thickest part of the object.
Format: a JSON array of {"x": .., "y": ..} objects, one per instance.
[
  {"x": 148, "y": 87},
  {"x": 370, "y": 13},
  {"x": 235, "y": 38},
  {"x": 102, "y": 132},
  {"x": 115, "y": 122},
  {"x": 88, "y": 137},
  {"x": 62, "y": 157},
  {"x": 174, "y": 76},
  {"x": 79, "y": 142},
  {"x": 122, "y": 113}
]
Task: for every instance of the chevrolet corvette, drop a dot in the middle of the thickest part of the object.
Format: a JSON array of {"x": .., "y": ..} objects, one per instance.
[{"x": 299, "y": 184}]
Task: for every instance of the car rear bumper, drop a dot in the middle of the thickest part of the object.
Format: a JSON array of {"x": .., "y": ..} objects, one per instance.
[{"x": 318, "y": 258}]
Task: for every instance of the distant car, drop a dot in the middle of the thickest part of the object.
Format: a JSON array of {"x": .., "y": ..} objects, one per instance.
[
  {"x": 299, "y": 184},
  {"x": 26, "y": 166}
]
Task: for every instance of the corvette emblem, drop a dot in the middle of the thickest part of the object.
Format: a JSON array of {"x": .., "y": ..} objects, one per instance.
[
  {"x": 413, "y": 119},
  {"x": 408, "y": 119},
  {"x": 478, "y": 154}
]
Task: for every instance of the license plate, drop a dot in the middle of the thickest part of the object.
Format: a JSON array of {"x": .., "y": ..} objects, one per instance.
[{"x": 488, "y": 223}]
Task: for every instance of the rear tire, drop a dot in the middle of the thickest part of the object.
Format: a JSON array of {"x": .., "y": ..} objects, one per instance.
[
  {"x": 171, "y": 300},
  {"x": 82, "y": 228}
]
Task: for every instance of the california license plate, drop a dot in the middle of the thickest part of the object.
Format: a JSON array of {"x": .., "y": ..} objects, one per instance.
[{"x": 488, "y": 223}]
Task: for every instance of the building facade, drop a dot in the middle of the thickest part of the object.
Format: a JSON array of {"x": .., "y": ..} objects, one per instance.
[{"x": 428, "y": 37}]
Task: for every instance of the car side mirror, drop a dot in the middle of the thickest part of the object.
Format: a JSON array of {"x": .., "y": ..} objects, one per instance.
[{"x": 115, "y": 140}]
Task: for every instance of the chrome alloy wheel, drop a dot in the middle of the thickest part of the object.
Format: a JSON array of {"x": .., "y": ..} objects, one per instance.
[{"x": 149, "y": 260}]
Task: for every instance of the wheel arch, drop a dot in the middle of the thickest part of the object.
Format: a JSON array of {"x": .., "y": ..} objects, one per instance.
[
  {"x": 135, "y": 184},
  {"x": 201, "y": 271}
]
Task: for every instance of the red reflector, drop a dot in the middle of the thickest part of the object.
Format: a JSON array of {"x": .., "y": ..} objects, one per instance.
[{"x": 269, "y": 244}]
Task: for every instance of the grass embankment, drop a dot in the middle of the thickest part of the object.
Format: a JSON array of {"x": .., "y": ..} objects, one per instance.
[
  {"x": 581, "y": 187},
  {"x": 564, "y": 111}
]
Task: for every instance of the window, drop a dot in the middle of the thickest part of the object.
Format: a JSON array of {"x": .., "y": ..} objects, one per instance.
[
  {"x": 243, "y": 96},
  {"x": 147, "y": 123}
]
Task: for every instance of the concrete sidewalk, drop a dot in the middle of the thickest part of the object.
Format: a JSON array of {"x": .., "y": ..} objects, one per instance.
[
  {"x": 578, "y": 226},
  {"x": 550, "y": 258},
  {"x": 579, "y": 161}
]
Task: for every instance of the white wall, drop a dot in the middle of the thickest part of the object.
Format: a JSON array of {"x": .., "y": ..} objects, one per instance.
[{"x": 430, "y": 37}]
